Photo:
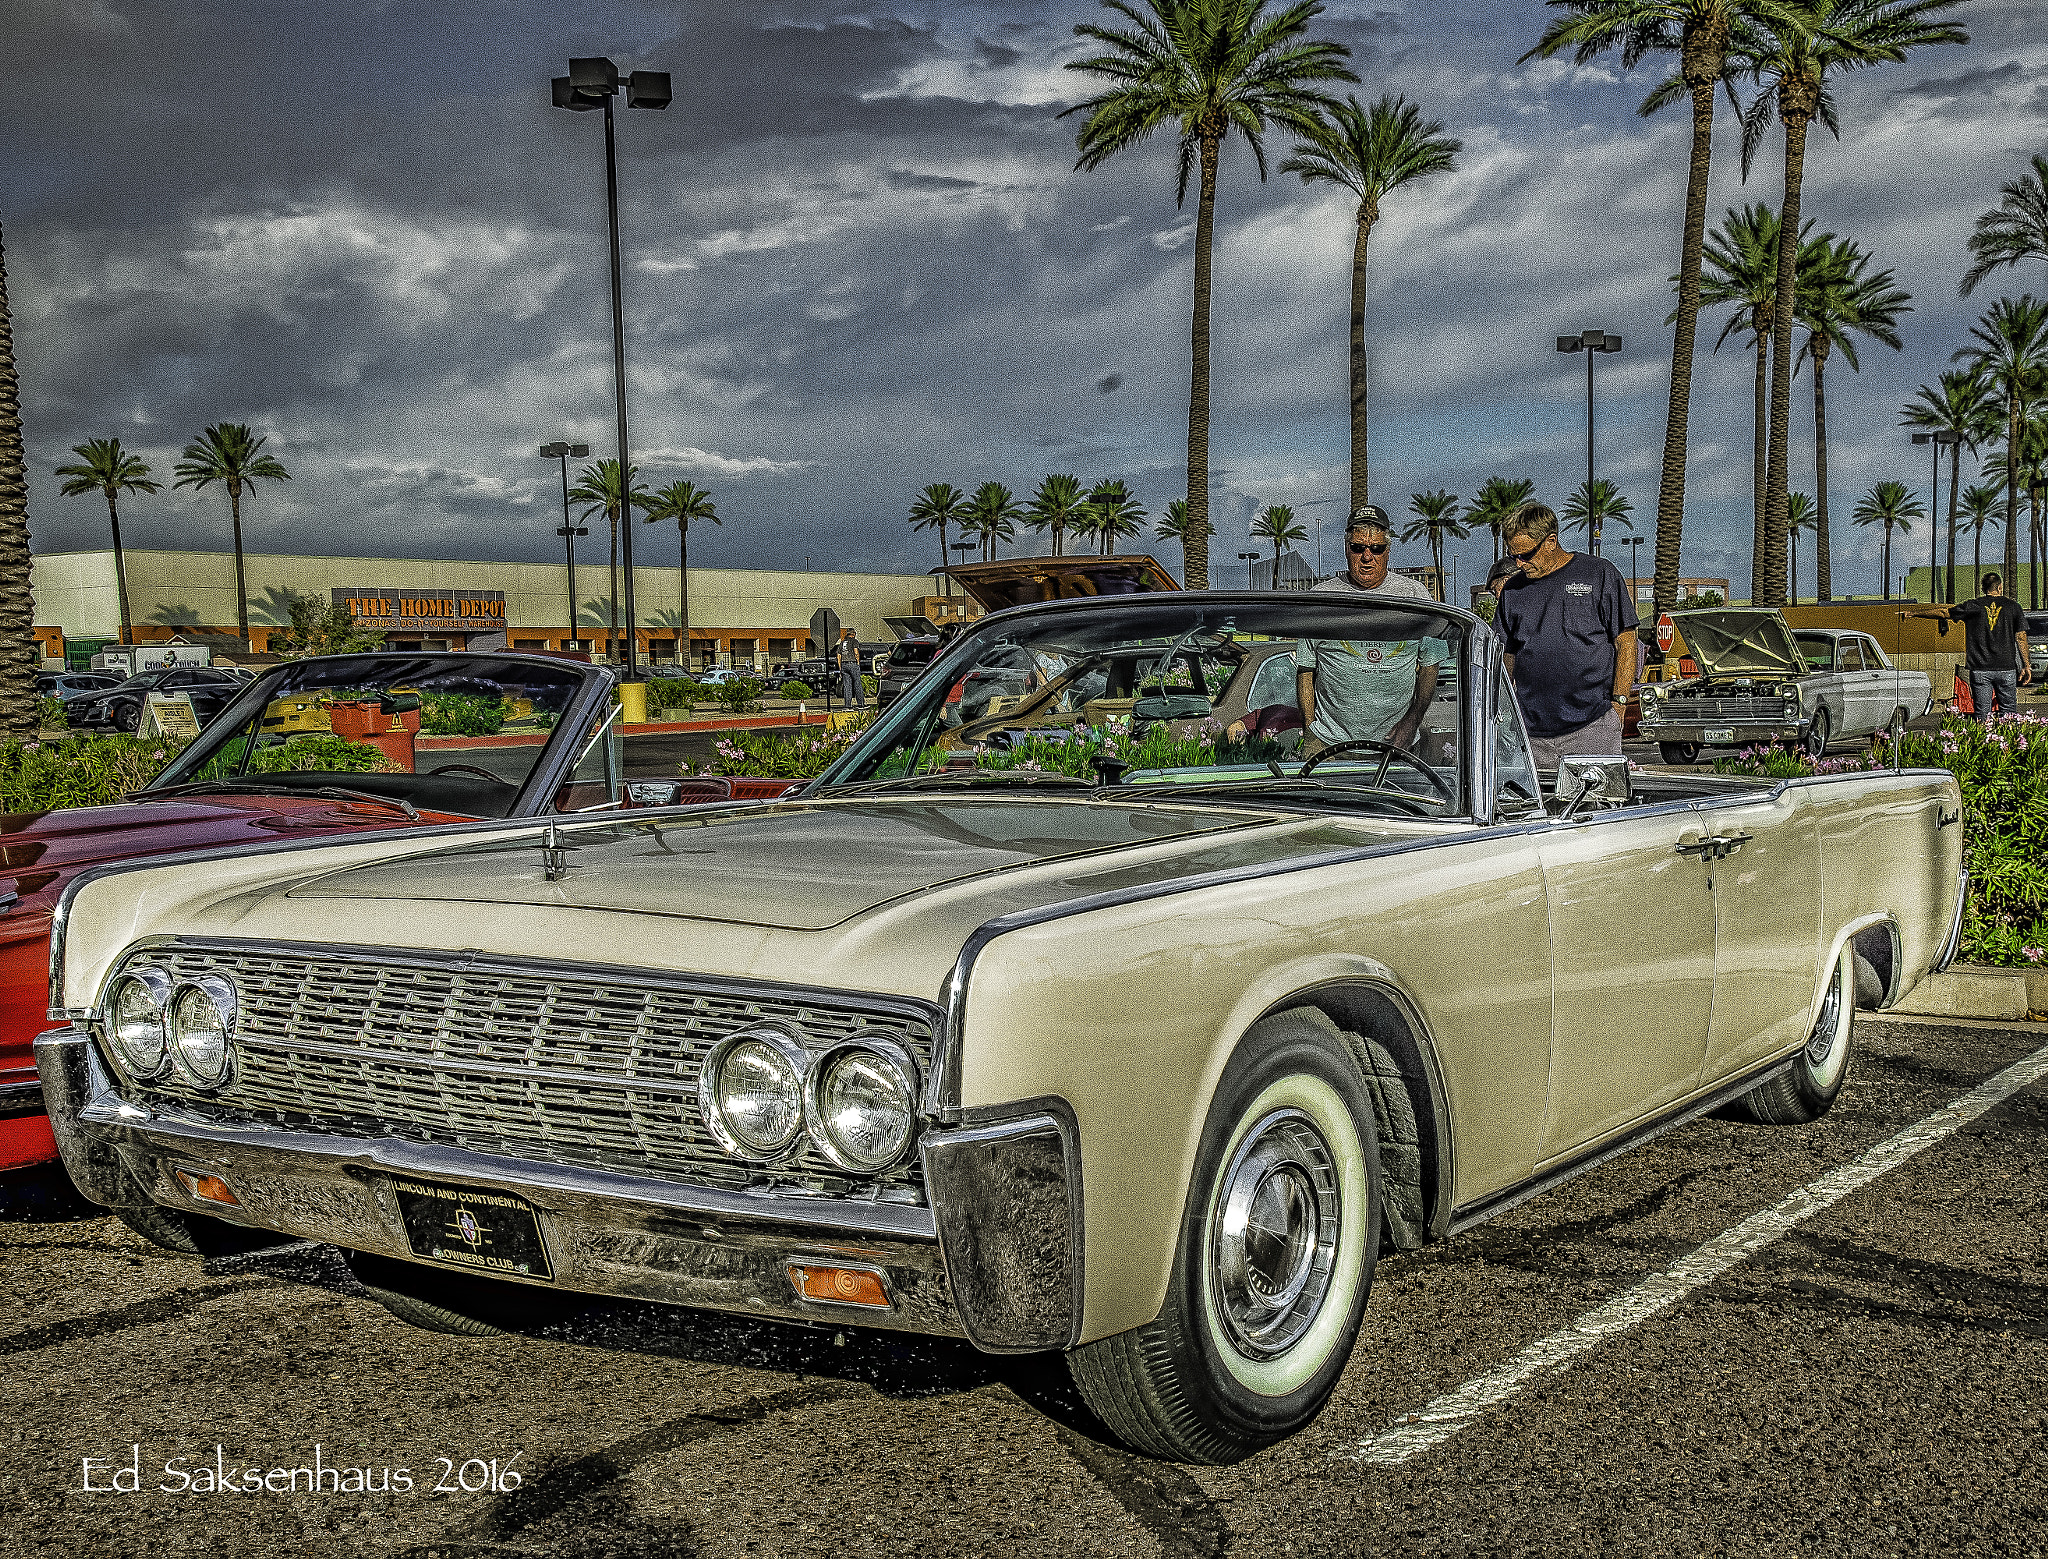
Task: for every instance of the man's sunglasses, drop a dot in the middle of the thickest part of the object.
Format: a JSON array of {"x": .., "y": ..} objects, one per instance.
[
  {"x": 1377, "y": 548},
  {"x": 1523, "y": 557}
]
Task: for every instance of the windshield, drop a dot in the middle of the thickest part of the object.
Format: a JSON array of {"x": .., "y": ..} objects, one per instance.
[
  {"x": 1185, "y": 690},
  {"x": 459, "y": 735},
  {"x": 1817, "y": 650}
]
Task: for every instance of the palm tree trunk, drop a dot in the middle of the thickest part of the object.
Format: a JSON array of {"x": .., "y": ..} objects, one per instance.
[
  {"x": 1955, "y": 471},
  {"x": 17, "y": 602},
  {"x": 1776, "y": 485},
  {"x": 1198, "y": 381},
  {"x": 120, "y": 569},
  {"x": 1759, "y": 442},
  {"x": 1887, "y": 558},
  {"x": 1977, "y": 567},
  {"x": 1359, "y": 439},
  {"x": 241, "y": 589},
  {"x": 683, "y": 593},
  {"x": 1059, "y": 536},
  {"x": 2012, "y": 490},
  {"x": 1823, "y": 588},
  {"x": 1702, "y": 74}
]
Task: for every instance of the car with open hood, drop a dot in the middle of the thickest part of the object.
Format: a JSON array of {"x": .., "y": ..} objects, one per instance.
[
  {"x": 1089, "y": 1022},
  {"x": 1762, "y": 682},
  {"x": 337, "y": 744}
]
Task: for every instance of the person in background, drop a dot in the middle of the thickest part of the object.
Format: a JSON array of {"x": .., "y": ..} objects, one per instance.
[
  {"x": 849, "y": 670},
  {"x": 1995, "y": 647},
  {"x": 1569, "y": 629}
]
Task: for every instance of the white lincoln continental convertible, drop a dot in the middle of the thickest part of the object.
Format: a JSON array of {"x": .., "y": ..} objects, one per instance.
[{"x": 1081, "y": 1005}]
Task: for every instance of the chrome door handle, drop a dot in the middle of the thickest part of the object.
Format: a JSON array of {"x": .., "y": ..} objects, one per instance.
[
  {"x": 1730, "y": 843},
  {"x": 1715, "y": 847},
  {"x": 1696, "y": 847}
]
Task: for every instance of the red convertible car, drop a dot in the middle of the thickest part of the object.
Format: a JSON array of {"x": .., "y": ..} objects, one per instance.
[{"x": 334, "y": 744}]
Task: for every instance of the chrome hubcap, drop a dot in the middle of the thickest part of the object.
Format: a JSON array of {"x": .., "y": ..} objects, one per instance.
[{"x": 1273, "y": 1238}]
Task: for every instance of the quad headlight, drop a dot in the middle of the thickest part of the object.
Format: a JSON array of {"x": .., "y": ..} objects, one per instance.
[
  {"x": 202, "y": 1029},
  {"x": 135, "y": 1020},
  {"x": 187, "y": 1027},
  {"x": 762, "y": 1089}
]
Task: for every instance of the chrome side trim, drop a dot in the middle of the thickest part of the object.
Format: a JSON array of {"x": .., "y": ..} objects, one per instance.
[
  {"x": 1500, "y": 1201},
  {"x": 1008, "y": 1207},
  {"x": 19, "y": 1099},
  {"x": 1954, "y": 943}
]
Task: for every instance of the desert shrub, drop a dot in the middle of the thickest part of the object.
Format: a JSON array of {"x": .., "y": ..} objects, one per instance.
[
  {"x": 315, "y": 754},
  {"x": 795, "y": 689},
  {"x": 2002, "y": 767},
  {"x": 870, "y": 685},
  {"x": 79, "y": 771},
  {"x": 673, "y": 692},
  {"x": 741, "y": 697},
  {"x": 50, "y": 714},
  {"x": 461, "y": 714}
]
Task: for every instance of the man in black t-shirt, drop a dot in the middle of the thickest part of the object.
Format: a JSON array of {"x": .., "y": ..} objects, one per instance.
[
  {"x": 1995, "y": 647},
  {"x": 1570, "y": 631}
]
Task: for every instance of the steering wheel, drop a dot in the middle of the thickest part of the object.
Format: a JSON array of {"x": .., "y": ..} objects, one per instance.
[
  {"x": 1388, "y": 753},
  {"x": 465, "y": 768}
]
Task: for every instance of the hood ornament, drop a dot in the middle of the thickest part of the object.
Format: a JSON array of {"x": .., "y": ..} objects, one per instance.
[{"x": 554, "y": 860}]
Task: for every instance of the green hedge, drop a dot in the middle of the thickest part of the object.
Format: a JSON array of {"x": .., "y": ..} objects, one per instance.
[
  {"x": 795, "y": 689},
  {"x": 461, "y": 714},
  {"x": 2002, "y": 767},
  {"x": 79, "y": 771}
]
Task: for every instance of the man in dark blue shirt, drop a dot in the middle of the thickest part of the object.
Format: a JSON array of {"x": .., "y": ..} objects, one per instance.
[{"x": 1570, "y": 631}]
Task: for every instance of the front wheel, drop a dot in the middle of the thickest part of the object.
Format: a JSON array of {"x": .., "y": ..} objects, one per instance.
[
  {"x": 1273, "y": 1265},
  {"x": 1808, "y": 1090},
  {"x": 1679, "y": 752},
  {"x": 1816, "y": 741}
]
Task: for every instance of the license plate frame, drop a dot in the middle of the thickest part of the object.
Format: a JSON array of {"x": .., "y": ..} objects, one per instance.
[
  {"x": 489, "y": 1233},
  {"x": 1719, "y": 736}
]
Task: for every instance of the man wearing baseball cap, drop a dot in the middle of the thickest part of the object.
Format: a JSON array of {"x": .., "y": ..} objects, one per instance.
[{"x": 1352, "y": 689}]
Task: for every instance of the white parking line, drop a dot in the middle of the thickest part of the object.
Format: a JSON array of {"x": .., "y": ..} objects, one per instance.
[{"x": 1451, "y": 1412}]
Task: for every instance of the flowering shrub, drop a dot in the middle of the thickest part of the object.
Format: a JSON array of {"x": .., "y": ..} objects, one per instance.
[
  {"x": 79, "y": 771},
  {"x": 2002, "y": 766},
  {"x": 802, "y": 754}
]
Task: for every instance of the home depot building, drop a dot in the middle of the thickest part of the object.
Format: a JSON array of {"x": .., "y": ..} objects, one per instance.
[{"x": 746, "y": 617}]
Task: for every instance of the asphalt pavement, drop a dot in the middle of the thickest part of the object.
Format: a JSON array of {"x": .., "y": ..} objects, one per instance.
[{"x": 1865, "y": 1381}]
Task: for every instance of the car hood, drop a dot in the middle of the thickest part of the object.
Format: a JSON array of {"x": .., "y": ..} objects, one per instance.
[
  {"x": 1734, "y": 642},
  {"x": 801, "y": 867}
]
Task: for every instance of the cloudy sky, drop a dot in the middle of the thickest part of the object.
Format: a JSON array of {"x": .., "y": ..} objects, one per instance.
[{"x": 858, "y": 260}]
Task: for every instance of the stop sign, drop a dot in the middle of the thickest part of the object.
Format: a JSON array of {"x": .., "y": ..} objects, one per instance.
[{"x": 1666, "y": 631}]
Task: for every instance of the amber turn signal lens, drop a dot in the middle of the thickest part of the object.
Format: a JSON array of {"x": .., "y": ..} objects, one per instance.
[
  {"x": 840, "y": 1285},
  {"x": 208, "y": 1188}
]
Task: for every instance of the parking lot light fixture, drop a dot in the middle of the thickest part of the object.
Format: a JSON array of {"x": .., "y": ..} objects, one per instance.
[
  {"x": 1940, "y": 439},
  {"x": 592, "y": 83},
  {"x": 1589, "y": 342},
  {"x": 1248, "y": 559},
  {"x": 567, "y": 531}
]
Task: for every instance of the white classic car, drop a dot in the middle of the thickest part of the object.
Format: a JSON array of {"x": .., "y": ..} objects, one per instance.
[
  {"x": 1068, "y": 1023},
  {"x": 1761, "y": 681}
]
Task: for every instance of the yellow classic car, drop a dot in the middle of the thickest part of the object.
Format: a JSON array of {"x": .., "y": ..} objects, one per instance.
[{"x": 1134, "y": 1034}]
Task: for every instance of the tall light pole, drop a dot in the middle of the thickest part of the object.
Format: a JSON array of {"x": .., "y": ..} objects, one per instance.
[
  {"x": 1589, "y": 342},
  {"x": 593, "y": 83},
  {"x": 1248, "y": 559},
  {"x": 568, "y": 532},
  {"x": 1940, "y": 439}
]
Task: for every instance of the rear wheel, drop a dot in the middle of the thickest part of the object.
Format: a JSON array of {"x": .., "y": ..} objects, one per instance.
[
  {"x": 1808, "y": 1090},
  {"x": 1679, "y": 752},
  {"x": 1274, "y": 1262}
]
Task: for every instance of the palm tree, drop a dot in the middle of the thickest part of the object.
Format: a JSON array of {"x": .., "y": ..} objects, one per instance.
[
  {"x": 2011, "y": 356},
  {"x": 1173, "y": 526},
  {"x": 1894, "y": 506},
  {"x": 2032, "y": 473},
  {"x": 1800, "y": 514},
  {"x": 1593, "y": 504},
  {"x": 2016, "y": 231},
  {"x": 1741, "y": 261},
  {"x": 1980, "y": 510},
  {"x": 1436, "y": 516},
  {"x": 992, "y": 514},
  {"x": 935, "y": 508},
  {"x": 232, "y": 454},
  {"x": 598, "y": 486},
  {"x": 1791, "y": 51},
  {"x": 1113, "y": 513},
  {"x": 1498, "y": 498},
  {"x": 681, "y": 502},
  {"x": 18, "y": 658},
  {"x": 1839, "y": 300},
  {"x": 104, "y": 465},
  {"x": 1056, "y": 506},
  {"x": 1700, "y": 32},
  {"x": 1371, "y": 152},
  {"x": 1965, "y": 406},
  {"x": 1205, "y": 68},
  {"x": 1276, "y": 524}
]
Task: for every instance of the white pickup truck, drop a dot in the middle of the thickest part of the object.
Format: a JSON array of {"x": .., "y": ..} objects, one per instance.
[{"x": 1762, "y": 682}]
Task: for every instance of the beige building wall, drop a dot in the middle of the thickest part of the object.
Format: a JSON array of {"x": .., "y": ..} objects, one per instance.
[{"x": 76, "y": 590}]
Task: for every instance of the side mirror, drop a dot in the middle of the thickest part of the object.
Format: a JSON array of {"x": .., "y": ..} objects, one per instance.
[
  {"x": 653, "y": 793},
  {"x": 399, "y": 703},
  {"x": 1597, "y": 780}
]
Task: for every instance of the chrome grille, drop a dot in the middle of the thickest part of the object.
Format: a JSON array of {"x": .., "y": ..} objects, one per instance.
[
  {"x": 534, "y": 1064},
  {"x": 1712, "y": 710}
]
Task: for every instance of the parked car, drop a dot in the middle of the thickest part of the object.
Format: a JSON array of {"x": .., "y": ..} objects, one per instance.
[
  {"x": 1142, "y": 1061},
  {"x": 330, "y": 745},
  {"x": 2037, "y": 649},
  {"x": 1760, "y": 682},
  {"x": 70, "y": 684},
  {"x": 904, "y": 664},
  {"x": 119, "y": 708},
  {"x": 720, "y": 676}
]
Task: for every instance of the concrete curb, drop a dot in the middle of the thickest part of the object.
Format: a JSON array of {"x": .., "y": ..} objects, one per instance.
[{"x": 1976, "y": 991}]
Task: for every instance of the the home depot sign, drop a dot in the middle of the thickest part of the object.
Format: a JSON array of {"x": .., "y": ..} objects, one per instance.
[{"x": 399, "y": 611}]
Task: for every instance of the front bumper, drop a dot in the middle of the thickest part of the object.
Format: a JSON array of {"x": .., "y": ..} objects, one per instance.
[
  {"x": 998, "y": 1263},
  {"x": 1731, "y": 735}
]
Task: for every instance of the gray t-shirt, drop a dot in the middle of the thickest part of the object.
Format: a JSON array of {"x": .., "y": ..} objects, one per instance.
[{"x": 1364, "y": 686}]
